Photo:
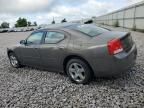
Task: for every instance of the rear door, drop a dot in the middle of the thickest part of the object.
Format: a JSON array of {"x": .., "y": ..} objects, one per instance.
[
  {"x": 30, "y": 51},
  {"x": 53, "y": 49}
]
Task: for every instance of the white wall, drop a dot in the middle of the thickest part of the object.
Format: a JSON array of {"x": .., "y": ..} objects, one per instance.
[{"x": 128, "y": 17}]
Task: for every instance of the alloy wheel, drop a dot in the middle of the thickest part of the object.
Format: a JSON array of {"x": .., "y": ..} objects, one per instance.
[
  {"x": 13, "y": 60},
  {"x": 77, "y": 72}
]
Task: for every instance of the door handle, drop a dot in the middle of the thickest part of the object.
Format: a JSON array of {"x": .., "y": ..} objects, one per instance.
[
  {"x": 35, "y": 48},
  {"x": 61, "y": 47}
]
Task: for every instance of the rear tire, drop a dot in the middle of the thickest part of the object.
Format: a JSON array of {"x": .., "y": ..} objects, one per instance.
[
  {"x": 14, "y": 60},
  {"x": 78, "y": 71}
]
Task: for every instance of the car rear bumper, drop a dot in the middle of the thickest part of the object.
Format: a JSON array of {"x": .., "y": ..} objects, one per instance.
[{"x": 116, "y": 64}]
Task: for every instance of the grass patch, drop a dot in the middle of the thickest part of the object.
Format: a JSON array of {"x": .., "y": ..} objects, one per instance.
[{"x": 116, "y": 23}]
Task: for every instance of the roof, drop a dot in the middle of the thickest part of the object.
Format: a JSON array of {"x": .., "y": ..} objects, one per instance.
[{"x": 61, "y": 25}]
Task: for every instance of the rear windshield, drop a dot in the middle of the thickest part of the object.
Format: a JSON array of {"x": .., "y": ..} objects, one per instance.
[{"x": 90, "y": 30}]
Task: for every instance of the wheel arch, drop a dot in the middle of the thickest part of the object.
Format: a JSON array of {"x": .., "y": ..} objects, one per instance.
[
  {"x": 74, "y": 56},
  {"x": 9, "y": 51}
]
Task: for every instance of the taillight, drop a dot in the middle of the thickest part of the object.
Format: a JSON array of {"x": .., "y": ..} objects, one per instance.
[{"x": 115, "y": 46}]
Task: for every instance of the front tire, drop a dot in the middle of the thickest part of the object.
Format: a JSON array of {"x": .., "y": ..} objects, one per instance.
[
  {"x": 14, "y": 60},
  {"x": 78, "y": 71}
]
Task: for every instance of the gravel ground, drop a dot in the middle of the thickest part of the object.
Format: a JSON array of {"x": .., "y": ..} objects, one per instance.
[{"x": 32, "y": 88}]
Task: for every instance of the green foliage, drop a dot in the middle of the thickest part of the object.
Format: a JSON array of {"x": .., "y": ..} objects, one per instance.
[
  {"x": 53, "y": 22},
  {"x": 35, "y": 23},
  {"x": 29, "y": 23},
  {"x": 102, "y": 23},
  {"x": 64, "y": 20},
  {"x": 134, "y": 28},
  {"x": 32, "y": 24},
  {"x": 139, "y": 30},
  {"x": 21, "y": 22},
  {"x": 4, "y": 25},
  {"x": 116, "y": 23}
]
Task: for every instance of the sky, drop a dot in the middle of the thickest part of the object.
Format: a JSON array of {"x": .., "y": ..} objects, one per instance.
[{"x": 43, "y": 11}]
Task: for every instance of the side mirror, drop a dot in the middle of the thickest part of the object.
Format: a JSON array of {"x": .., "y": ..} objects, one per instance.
[{"x": 23, "y": 42}]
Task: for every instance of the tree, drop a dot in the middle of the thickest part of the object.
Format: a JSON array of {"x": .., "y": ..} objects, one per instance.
[
  {"x": 64, "y": 20},
  {"x": 29, "y": 23},
  {"x": 21, "y": 22},
  {"x": 53, "y": 22},
  {"x": 35, "y": 23},
  {"x": 4, "y": 25}
]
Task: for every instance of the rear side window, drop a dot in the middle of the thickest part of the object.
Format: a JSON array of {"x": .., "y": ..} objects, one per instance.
[
  {"x": 90, "y": 30},
  {"x": 53, "y": 37}
]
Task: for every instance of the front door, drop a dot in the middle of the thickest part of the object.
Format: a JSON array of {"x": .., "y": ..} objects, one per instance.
[{"x": 30, "y": 51}]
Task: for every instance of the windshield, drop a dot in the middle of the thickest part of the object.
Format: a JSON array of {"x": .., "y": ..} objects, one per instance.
[{"x": 90, "y": 30}]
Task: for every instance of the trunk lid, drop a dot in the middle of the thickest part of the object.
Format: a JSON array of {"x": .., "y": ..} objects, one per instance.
[
  {"x": 127, "y": 42},
  {"x": 124, "y": 37}
]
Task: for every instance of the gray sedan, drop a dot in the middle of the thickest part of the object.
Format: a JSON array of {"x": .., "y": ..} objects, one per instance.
[{"x": 80, "y": 51}]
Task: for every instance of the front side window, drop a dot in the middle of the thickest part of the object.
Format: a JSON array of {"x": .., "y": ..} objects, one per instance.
[
  {"x": 35, "y": 38},
  {"x": 53, "y": 37}
]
